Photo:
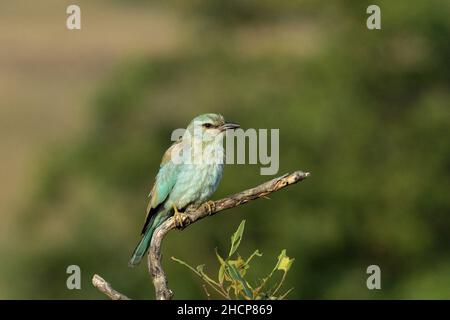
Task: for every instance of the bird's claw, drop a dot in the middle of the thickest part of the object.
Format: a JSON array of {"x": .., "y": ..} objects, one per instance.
[
  {"x": 181, "y": 219},
  {"x": 178, "y": 219},
  {"x": 211, "y": 206}
]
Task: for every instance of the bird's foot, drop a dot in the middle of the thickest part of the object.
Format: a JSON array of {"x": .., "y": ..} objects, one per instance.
[
  {"x": 181, "y": 219},
  {"x": 211, "y": 207},
  {"x": 178, "y": 221}
]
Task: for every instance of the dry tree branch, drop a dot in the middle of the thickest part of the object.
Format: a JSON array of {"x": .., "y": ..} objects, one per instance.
[
  {"x": 106, "y": 288},
  {"x": 191, "y": 215}
]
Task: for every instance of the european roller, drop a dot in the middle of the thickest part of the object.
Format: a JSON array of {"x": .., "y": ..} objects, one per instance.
[{"x": 190, "y": 172}]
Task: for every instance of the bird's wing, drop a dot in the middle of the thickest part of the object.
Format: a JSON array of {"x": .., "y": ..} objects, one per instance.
[{"x": 164, "y": 182}]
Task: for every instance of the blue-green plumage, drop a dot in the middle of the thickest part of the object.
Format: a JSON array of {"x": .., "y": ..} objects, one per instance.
[{"x": 190, "y": 172}]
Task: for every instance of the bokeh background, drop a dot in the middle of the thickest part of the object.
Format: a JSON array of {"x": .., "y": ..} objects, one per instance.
[{"x": 86, "y": 115}]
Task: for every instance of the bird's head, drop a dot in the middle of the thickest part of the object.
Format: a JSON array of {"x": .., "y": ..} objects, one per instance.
[{"x": 209, "y": 126}]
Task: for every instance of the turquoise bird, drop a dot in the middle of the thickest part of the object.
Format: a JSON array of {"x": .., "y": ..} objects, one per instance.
[{"x": 190, "y": 172}]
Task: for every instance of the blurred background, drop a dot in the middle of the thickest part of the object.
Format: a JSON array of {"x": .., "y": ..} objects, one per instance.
[{"x": 86, "y": 116}]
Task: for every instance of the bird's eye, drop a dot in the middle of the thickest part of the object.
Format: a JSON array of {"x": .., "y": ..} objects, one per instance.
[{"x": 207, "y": 125}]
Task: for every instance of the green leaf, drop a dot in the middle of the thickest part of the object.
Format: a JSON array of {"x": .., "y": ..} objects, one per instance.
[
  {"x": 221, "y": 274},
  {"x": 236, "y": 238},
  {"x": 240, "y": 265},
  {"x": 284, "y": 262},
  {"x": 234, "y": 273}
]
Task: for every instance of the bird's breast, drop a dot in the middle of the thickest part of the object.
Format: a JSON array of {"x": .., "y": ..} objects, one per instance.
[{"x": 196, "y": 183}]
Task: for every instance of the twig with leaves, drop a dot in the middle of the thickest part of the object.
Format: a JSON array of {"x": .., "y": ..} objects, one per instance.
[
  {"x": 192, "y": 214},
  {"x": 231, "y": 280}
]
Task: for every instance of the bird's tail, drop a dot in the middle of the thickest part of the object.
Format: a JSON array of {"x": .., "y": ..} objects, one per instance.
[{"x": 144, "y": 244}]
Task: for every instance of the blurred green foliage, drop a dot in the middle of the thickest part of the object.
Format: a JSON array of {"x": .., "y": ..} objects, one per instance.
[{"x": 367, "y": 112}]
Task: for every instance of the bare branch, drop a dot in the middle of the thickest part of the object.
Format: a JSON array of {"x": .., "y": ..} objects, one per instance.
[
  {"x": 192, "y": 215},
  {"x": 106, "y": 288}
]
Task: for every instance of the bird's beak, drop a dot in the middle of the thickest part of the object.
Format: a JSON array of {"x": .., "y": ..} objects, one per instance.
[{"x": 229, "y": 126}]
